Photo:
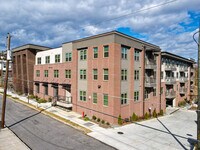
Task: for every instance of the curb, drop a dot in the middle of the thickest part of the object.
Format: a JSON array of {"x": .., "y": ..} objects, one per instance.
[{"x": 54, "y": 116}]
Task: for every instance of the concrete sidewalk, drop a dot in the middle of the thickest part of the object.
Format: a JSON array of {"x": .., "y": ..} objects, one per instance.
[
  {"x": 9, "y": 141},
  {"x": 136, "y": 136}
]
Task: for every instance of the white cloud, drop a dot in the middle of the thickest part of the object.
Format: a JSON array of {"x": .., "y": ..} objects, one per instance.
[{"x": 52, "y": 22}]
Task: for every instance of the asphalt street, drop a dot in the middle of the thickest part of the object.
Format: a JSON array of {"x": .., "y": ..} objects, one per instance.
[{"x": 41, "y": 132}]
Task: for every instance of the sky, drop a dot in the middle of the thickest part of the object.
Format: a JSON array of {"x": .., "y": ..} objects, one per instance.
[{"x": 53, "y": 22}]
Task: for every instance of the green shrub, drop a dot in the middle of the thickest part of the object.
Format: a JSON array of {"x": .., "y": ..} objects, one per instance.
[
  {"x": 102, "y": 121},
  {"x": 94, "y": 117},
  {"x": 86, "y": 119},
  {"x": 182, "y": 103},
  {"x": 120, "y": 121},
  {"x": 50, "y": 99},
  {"x": 161, "y": 112},
  {"x": 41, "y": 100},
  {"x": 15, "y": 97},
  {"x": 8, "y": 95},
  {"x": 134, "y": 117},
  {"x": 154, "y": 113},
  {"x": 146, "y": 116},
  {"x": 98, "y": 120},
  {"x": 31, "y": 96},
  {"x": 107, "y": 123}
]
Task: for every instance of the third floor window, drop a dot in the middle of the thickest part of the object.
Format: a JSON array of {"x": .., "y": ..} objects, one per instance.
[
  {"x": 68, "y": 57},
  {"x": 47, "y": 59},
  {"x": 95, "y": 50},
  {"x": 57, "y": 58},
  {"x": 83, "y": 54},
  {"x": 137, "y": 55},
  {"x": 124, "y": 51},
  {"x": 39, "y": 60},
  {"x": 106, "y": 51}
]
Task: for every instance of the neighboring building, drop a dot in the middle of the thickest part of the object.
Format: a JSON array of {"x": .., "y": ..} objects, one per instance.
[
  {"x": 105, "y": 75},
  {"x": 23, "y": 62},
  {"x": 3, "y": 71},
  {"x": 177, "y": 78}
]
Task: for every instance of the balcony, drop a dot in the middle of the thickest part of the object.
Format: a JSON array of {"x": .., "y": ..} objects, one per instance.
[
  {"x": 192, "y": 78},
  {"x": 170, "y": 94},
  {"x": 150, "y": 82},
  {"x": 182, "y": 90},
  {"x": 170, "y": 80},
  {"x": 183, "y": 69},
  {"x": 182, "y": 79},
  {"x": 150, "y": 64},
  {"x": 170, "y": 68}
]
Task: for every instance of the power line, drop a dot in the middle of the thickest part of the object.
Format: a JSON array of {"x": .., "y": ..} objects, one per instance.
[{"x": 132, "y": 13}]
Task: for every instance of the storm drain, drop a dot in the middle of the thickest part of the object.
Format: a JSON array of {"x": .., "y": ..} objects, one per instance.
[
  {"x": 120, "y": 132},
  {"x": 88, "y": 124}
]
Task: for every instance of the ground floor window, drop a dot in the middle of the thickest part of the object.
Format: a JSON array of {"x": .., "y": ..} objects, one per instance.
[{"x": 105, "y": 99}]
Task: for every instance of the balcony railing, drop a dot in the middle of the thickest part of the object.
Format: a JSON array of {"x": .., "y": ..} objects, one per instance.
[
  {"x": 170, "y": 80},
  {"x": 170, "y": 68},
  {"x": 150, "y": 64},
  {"x": 183, "y": 69},
  {"x": 182, "y": 79},
  {"x": 170, "y": 94},
  {"x": 64, "y": 101},
  {"x": 150, "y": 82},
  {"x": 182, "y": 90}
]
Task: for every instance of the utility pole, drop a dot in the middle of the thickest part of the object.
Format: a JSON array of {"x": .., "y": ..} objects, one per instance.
[
  {"x": 198, "y": 88},
  {"x": 6, "y": 82}
]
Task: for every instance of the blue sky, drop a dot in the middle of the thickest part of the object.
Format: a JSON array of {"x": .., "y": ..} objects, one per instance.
[{"x": 52, "y": 22}]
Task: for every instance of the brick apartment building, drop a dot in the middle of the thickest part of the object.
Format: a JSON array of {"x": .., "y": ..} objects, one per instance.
[
  {"x": 105, "y": 75},
  {"x": 23, "y": 62},
  {"x": 177, "y": 78}
]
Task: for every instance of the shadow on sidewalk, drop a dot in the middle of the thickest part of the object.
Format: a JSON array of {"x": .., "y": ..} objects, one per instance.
[{"x": 190, "y": 140}]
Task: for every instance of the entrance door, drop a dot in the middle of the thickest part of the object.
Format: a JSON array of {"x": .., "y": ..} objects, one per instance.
[
  {"x": 55, "y": 91},
  {"x": 68, "y": 97}
]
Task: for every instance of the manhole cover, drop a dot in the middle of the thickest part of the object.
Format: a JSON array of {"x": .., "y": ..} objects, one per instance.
[
  {"x": 88, "y": 124},
  {"x": 120, "y": 132}
]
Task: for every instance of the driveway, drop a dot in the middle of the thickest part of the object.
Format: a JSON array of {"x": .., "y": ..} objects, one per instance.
[{"x": 175, "y": 131}]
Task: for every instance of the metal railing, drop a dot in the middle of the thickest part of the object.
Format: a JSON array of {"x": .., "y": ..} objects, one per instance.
[
  {"x": 150, "y": 64},
  {"x": 182, "y": 90},
  {"x": 170, "y": 67},
  {"x": 182, "y": 79},
  {"x": 65, "y": 101},
  {"x": 170, "y": 94},
  {"x": 150, "y": 82},
  {"x": 170, "y": 80}
]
